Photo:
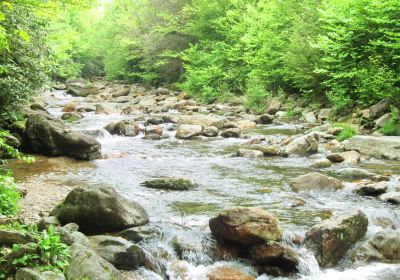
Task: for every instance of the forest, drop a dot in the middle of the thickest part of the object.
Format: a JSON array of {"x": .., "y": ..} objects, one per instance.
[{"x": 199, "y": 139}]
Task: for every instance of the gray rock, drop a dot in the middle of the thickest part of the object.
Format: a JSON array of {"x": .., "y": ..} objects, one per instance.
[
  {"x": 314, "y": 181},
  {"x": 9, "y": 237},
  {"x": 53, "y": 137},
  {"x": 210, "y": 131},
  {"x": 382, "y": 121},
  {"x": 71, "y": 236},
  {"x": 371, "y": 189},
  {"x": 187, "y": 131},
  {"x": 124, "y": 128},
  {"x": 118, "y": 251},
  {"x": 137, "y": 234},
  {"x": 303, "y": 145},
  {"x": 231, "y": 133},
  {"x": 273, "y": 107},
  {"x": 35, "y": 274},
  {"x": 357, "y": 173},
  {"x": 331, "y": 239},
  {"x": 45, "y": 222},
  {"x": 247, "y": 153},
  {"x": 379, "y": 109},
  {"x": 81, "y": 88},
  {"x": 265, "y": 119},
  {"x": 86, "y": 263},
  {"x": 349, "y": 157},
  {"x": 167, "y": 183},
  {"x": 99, "y": 209},
  {"x": 310, "y": 117},
  {"x": 386, "y": 147},
  {"x": 321, "y": 163},
  {"x": 203, "y": 120},
  {"x": 106, "y": 109},
  {"x": 383, "y": 246},
  {"x": 391, "y": 197},
  {"x": 71, "y": 116},
  {"x": 325, "y": 114}
]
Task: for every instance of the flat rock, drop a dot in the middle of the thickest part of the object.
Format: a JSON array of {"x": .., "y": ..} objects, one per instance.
[
  {"x": 314, "y": 181},
  {"x": 188, "y": 131},
  {"x": 228, "y": 273},
  {"x": 371, "y": 189},
  {"x": 175, "y": 184},
  {"x": 203, "y": 120},
  {"x": 386, "y": 147}
]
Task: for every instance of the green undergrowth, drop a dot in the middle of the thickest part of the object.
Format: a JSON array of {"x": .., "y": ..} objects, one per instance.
[
  {"x": 392, "y": 127},
  {"x": 348, "y": 131}
]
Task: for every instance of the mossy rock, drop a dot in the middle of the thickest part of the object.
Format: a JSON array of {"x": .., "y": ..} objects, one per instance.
[{"x": 174, "y": 184}]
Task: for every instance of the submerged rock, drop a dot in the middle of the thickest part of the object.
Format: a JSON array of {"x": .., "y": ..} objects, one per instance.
[
  {"x": 186, "y": 131},
  {"x": 357, "y": 173},
  {"x": 303, "y": 145},
  {"x": 314, "y": 181},
  {"x": 246, "y": 225},
  {"x": 385, "y": 147},
  {"x": 175, "y": 184},
  {"x": 99, "y": 209},
  {"x": 53, "y": 137},
  {"x": 85, "y": 263},
  {"x": 118, "y": 251},
  {"x": 383, "y": 246},
  {"x": 247, "y": 153},
  {"x": 331, "y": 239}
]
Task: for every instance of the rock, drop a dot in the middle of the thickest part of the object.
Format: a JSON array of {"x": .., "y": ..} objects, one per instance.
[
  {"x": 137, "y": 234},
  {"x": 371, "y": 189},
  {"x": 122, "y": 92},
  {"x": 9, "y": 237},
  {"x": 7, "y": 265},
  {"x": 85, "y": 263},
  {"x": 245, "y": 124},
  {"x": 303, "y": 145},
  {"x": 12, "y": 140},
  {"x": 322, "y": 163},
  {"x": 333, "y": 144},
  {"x": 246, "y": 225},
  {"x": 72, "y": 116},
  {"x": 331, "y": 239},
  {"x": 106, "y": 109},
  {"x": 175, "y": 184},
  {"x": 269, "y": 151},
  {"x": 187, "y": 131},
  {"x": 386, "y": 147},
  {"x": 276, "y": 255},
  {"x": 124, "y": 128},
  {"x": 231, "y": 133},
  {"x": 379, "y": 109},
  {"x": 391, "y": 197},
  {"x": 86, "y": 109},
  {"x": 81, "y": 88},
  {"x": 36, "y": 274},
  {"x": 38, "y": 107},
  {"x": 70, "y": 107},
  {"x": 230, "y": 125},
  {"x": 265, "y": 119},
  {"x": 210, "y": 131},
  {"x": 335, "y": 130},
  {"x": 247, "y": 153},
  {"x": 51, "y": 136},
  {"x": 70, "y": 235},
  {"x": 99, "y": 209},
  {"x": 310, "y": 117},
  {"x": 382, "y": 121},
  {"x": 383, "y": 246},
  {"x": 228, "y": 273},
  {"x": 384, "y": 222},
  {"x": 153, "y": 132},
  {"x": 325, "y": 114},
  {"x": 203, "y": 120},
  {"x": 314, "y": 181},
  {"x": 118, "y": 251},
  {"x": 60, "y": 86},
  {"x": 45, "y": 222},
  {"x": 357, "y": 173},
  {"x": 273, "y": 107},
  {"x": 350, "y": 157}
]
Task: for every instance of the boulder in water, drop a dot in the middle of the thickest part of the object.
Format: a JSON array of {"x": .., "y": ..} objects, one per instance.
[
  {"x": 99, "y": 209},
  {"x": 231, "y": 133},
  {"x": 314, "y": 181},
  {"x": 72, "y": 116},
  {"x": 124, "y": 128},
  {"x": 188, "y": 131},
  {"x": 228, "y": 273},
  {"x": 203, "y": 120},
  {"x": 385, "y": 147},
  {"x": 350, "y": 157},
  {"x": 371, "y": 189},
  {"x": 81, "y": 88},
  {"x": 51, "y": 136},
  {"x": 175, "y": 184},
  {"x": 210, "y": 131},
  {"x": 331, "y": 239},
  {"x": 303, "y": 145},
  {"x": 391, "y": 197},
  {"x": 246, "y": 225}
]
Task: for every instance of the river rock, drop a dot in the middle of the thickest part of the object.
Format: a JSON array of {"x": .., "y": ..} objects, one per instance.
[
  {"x": 81, "y": 88},
  {"x": 350, "y": 157},
  {"x": 274, "y": 254},
  {"x": 9, "y": 237},
  {"x": 70, "y": 107},
  {"x": 124, "y": 128},
  {"x": 332, "y": 238},
  {"x": 122, "y": 92},
  {"x": 118, "y": 251},
  {"x": 86, "y": 263},
  {"x": 246, "y": 225},
  {"x": 175, "y": 184},
  {"x": 357, "y": 173},
  {"x": 210, "y": 131},
  {"x": 70, "y": 235},
  {"x": 265, "y": 119},
  {"x": 322, "y": 163},
  {"x": 36, "y": 274},
  {"x": 72, "y": 116},
  {"x": 187, "y": 131},
  {"x": 310, "y": 117},
  {"x": 248, "y": 153},
  {"x": 383, "y": 246},
  {"x": 245, "y": 124},
  {"x": 269, "y": 151},
  {"x": 45, "y": 222},
  {"x": 385, "y": 147},
  {"x": 99, "y": 209},
  {"x": 228, "y": 273},
  {"x": 203, "y": 120},
  {"x": 391, "y": 197},
  {"x": 53, "y": 137},
  {"x": 106, "y": 109},
  {"x": 371, "y": 189},
  {"x": 314, "y": 181},
  {"x": 379, "y": 109},
  {"x": 273, "y": 107},
  {"x": 231, "y": 133},
  {"x": 382, "y": 121},
  {"x": 303, "y": 145},
  {"x": 325, "y": 114},
  {"x": 137, "y": 234}
]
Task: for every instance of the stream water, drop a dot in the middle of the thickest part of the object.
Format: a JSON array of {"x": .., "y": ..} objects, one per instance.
[{"x": 223, "y": 181}]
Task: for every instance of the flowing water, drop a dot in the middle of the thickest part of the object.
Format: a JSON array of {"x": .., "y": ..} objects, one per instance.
[{"x": 223, "y": 181}]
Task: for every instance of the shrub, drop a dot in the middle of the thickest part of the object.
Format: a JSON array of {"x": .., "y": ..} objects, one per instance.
[
  {"x": 9, "y": 195},
  {"x": 392, "y": 127},
  {"x": 347, "y": 132}
]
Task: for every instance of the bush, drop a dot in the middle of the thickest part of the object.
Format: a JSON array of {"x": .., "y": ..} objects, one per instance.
[
  {"x": 9, "y": 195},
  {"x": 392, "y": 127},
  {"x": 347, "y": 132}
]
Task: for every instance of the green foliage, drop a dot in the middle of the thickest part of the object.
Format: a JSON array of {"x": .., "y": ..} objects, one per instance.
[
  {"x": 392, "y": 127},
  {"x": 347, "y": 132},
  {"x": 9, "y": 195}
]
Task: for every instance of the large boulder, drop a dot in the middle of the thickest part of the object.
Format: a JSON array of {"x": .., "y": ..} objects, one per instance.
[
  {"x": 331, "y": 239},
  {"x": 349, "y": 157},
  {"x": 51, "y": 136},
  {"x": 99, "y": 209},
  {"x": 273, "y": 107},
  {"x": 383, "y": 246},
  {"x": 314, "y": 181},
  {"x": 118, "y": 251},
  {"x": 86, "y": 264},
  {"x": 371, "y": 189},
  {"x": 303, "y": 145},
  {"x": 203, "y": 120},
  {"x": 124, "y": 128},
  {"x": 188, "y": 131},
  {"x": 246, "y": 225},
  {"x": 81, "y": 88},
  {"x": 379, "y": 109},
  {"x": 386, "y": 147}
]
